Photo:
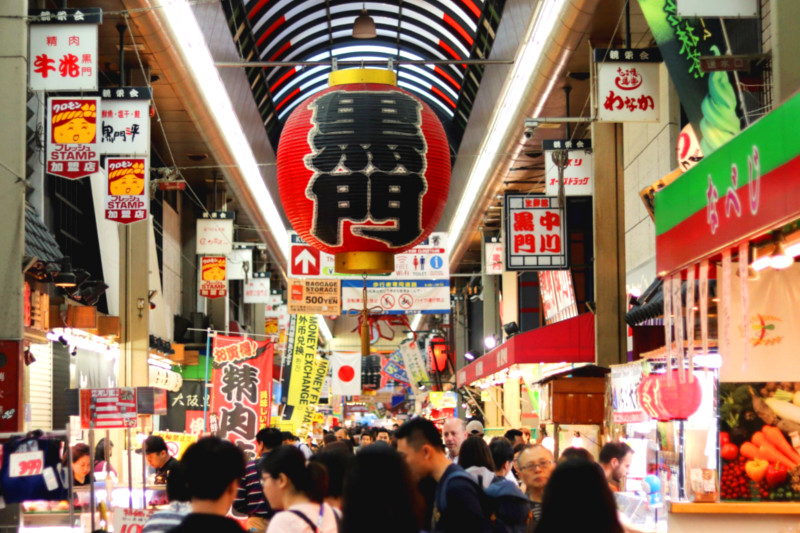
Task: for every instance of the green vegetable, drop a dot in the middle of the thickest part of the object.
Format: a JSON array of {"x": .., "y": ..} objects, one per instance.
[{"x": 783, "y": 395}]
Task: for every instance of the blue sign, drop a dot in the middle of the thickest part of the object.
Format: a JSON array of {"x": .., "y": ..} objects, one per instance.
[{"x": 436, "y": 262}]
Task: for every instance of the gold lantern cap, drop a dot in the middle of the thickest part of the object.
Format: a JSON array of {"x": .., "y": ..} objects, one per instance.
[
  {"x": 362, "y": 75},
  {"x": 364, "y": 262}
]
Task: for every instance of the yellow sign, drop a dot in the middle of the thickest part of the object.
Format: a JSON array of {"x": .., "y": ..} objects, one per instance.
[
  {"x": 176, "y": 442},
  {"x": 315, "y": 297},
  {"x": 305, "y": 413}
]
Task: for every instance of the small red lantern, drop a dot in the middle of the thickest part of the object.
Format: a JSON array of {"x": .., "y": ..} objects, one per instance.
[
  {"x": 648, "y": 393},
  {"x": 363, "y": 170},
  {"x": 665, "y": 400},
  {"x": 438, "y": 353}
]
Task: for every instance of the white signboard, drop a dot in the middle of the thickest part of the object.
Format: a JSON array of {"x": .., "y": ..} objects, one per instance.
[
  {"x": 257, "y": 289},
  {"x": 536, "y": 233},
  {"x": 717, "y": 8},
  {"x": 131, "y": 520},
  {"x": 397, "y": 297},
  {"x": 558, "y": 296},
  {"x": 625, "y": 380},
  {"x": 215, "y": 234},
  {"x": 63, "y": 57},
  {"x": 578, "y": 175},
  {"x": 494, "y": 256},
  {"x": 72, "y": 138},
  {"x": 239, "y": 261},
  {"x": 627, "y": 89},
  {"x": 125, "y": 121}
]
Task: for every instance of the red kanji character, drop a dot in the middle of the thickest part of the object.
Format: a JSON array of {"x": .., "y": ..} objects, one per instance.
[
  {"x": 612, "y": 100},
  {"x": 631, "y": 104},
  {"x": 68, "y": 66},
  {"x": 52, "y": 40},
  {"x": 525, "y": 241},
  {"x": 74, "y": 40},
  {"x": 86, "y": 58},
  {"x": 553, "y": 181},
  {"x": 523, "y": 221},
  {"x": 646, "y": 102},
  {"x": 43, "y": 65},
  {"x": 86, "y": 70},
  {"x": 550, "y": 220},
  {"x": 550, "y": 243}
]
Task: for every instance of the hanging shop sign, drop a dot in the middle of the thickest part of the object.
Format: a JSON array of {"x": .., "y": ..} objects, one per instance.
[
  {"x": 239, "y": 265},
  {"x": 72, "y": 139},
  {"x": 627, "y": 84},
  {"x": 11, "y": 401},
  {"x": 215, "y": 233},
  {"x": 306, "y": 413},
  {"x": 257, "y": 289},
  {"x": 63, "y": 49},
  {"x": 625, "y": 381},
  {"x": 363, "y": 166},
  {"x": 298, "y": 359},
  {"x": 558, "y": 295},
  {"x": 314, "y": 297},
  {"x": 717, "y": 8},
  {"x": 125, "y": 121},
  {"x": 397, "y": 297},
  {"x": 535, "y": 233},
  {"x": 689, "y": 151},
  {"x": 415, "y": 364},
  {"x": 579, "y": 173},
  {"x": 242, "y": 388},
  {"x": 493, "y": 255},
  {"x": 213, "y": 283},
  {"x": 108, "y": 408},
  {"x": 127, "y": 199},
  {"x": 276, "y": 322},
  {"x": 184, "y": 406},
  {"x": 750, "y": 185}
]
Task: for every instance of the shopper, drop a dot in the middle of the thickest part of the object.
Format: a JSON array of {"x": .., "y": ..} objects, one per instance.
[
  {"x": 380, "y": 494},
  {"x": 383, "y": 435},
  {"x": 366, "y": 439},
  {"x": 155, "y": 450},
  {"x": 297, "y": 490},
  {"x": 514, "y": 436},
  {"x": 100, "y": 462},
  {"x": 535, "y": 465},
  {"x": 337, "y": 460},
  {"x": 454, "y": 432},
  {"x": 211, "y": 468},
  {"x": 81, "y": 465},
  {"x": 474, "y": 427},
  {"x": 250, "y": 499},
  {"x": 502, "y": 457},
  {"x": 179, "y": 505},
  {"x": 474, "y": 457},
  {"x": 616, "y": 458},
  {"x": 578, "y": 498},
  {"x": 458, "y": 505},
  {"x": 575, "y": 452}
]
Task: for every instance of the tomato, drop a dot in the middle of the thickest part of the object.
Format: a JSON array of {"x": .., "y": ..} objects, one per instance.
[
  {"x": 724, "y": 438},
  {"x": 729, "y": 451}
]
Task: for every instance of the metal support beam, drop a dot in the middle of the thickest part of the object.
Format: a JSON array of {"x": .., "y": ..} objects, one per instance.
[{"x": 369, "y": 62}]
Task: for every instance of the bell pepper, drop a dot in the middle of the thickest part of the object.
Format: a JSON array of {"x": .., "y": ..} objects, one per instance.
[
  {"x": 776, "y": 475},
  {"x": 756, "y": 469}
]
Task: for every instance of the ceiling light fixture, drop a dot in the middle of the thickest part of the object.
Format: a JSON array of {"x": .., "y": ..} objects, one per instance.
[
  {"x": 490, "y": 342},
  {"x": 66, "y": 278},
  {"x": 364, "y": 26},
  {"x": 469, "y": 356},
  {"x": 780, "y": 260}
]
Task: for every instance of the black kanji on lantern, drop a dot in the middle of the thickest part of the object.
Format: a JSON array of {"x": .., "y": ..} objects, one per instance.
[{"x": 369, "y": 162}]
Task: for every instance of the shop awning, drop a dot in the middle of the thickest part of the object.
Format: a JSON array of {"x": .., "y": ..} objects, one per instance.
[{"x": 568, "y": 341}]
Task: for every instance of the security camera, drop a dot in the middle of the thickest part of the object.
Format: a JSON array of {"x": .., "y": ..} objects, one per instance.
[{"x": 529, "y": 132}]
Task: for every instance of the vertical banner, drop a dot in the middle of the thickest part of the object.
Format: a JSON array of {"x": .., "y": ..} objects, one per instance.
[
  {"x": 703, "y": 288},
  {"x": 724, "y": 306},
  {"x": 677, "y": 312},
  {"x": 303, "y": 413},
  {"x": 301, "y": 352},
  {"x": 744, "y": 294},
  {"x": 690, "y": 288},
  {"x": 493, "y": 250},
  {"x": 242, "y": 388},
  {"x": 127, "y": 197},
  {"x": 212, "y": 277},
  {"x": 667, "y": 291},
  {"x": 73, "y": 146},
  {"x": 11, "y": 409},
  {"x": 415, "y": 364}
]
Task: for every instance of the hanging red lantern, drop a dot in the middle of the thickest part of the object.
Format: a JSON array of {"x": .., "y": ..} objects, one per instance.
[
  {"x": 363, "y": 170},
  {"x": 438, "y": 354},
  {"x": 648, "y": 392},
  {"x": 680, "y": 400}
]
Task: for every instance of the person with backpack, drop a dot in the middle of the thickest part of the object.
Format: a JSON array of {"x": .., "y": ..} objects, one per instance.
[
  {"x": 459, "y": 505},
  {"x": 510, "y": 509},
  {"x": 298, "y": 491}
]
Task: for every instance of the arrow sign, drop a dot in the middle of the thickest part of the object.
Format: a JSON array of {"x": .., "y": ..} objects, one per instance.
[{"x": 305, "y": 261}]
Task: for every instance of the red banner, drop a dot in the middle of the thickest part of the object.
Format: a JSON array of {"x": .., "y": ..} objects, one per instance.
[
  {"x": 242, "y": 388},
  {"x": 11, "y": 416}
]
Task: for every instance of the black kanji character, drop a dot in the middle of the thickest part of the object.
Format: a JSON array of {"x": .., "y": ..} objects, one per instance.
[
  {"x": 239, "y": 420},
  {"x": 240, "y": 381}
]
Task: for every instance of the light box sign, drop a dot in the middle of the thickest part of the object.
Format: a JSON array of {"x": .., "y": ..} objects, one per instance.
[
  {"x": 72, "y": 138},
  {"x": 579, "y": 173},
  {"x": 717, "y": 8},
  {"x": 535, "y": 233},
  {"x": 127, "y": 198},
  {"x": 627, "y": 84},
  {"x": 257, "y": 289},
  {"x": 63, "y": 49},
  {"x": 125, "y": 121},
  {"x": 213, "y": 283},
  {"x": 215, "y": 233}
]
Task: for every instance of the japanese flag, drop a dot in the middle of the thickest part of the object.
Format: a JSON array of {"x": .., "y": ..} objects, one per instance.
[{"x": 346, "y": 374}]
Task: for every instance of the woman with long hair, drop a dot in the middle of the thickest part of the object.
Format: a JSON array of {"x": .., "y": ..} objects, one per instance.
[
  {"x": 298, "y": 490},
  {"x": 380, "y": 494},
  {"x": 577, "y": 498}
]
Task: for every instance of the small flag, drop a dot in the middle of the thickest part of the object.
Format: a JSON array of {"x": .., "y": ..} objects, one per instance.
[{"x": 346, "y": 374}]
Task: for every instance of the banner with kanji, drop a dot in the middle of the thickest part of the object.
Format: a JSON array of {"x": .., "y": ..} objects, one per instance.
[
  {"x": 298, "y": 360},
  {"x": 242, "y": 388},
  {"x": 127, "y": 197},
  {"x": 185, "y": 408},
  {"x": 304, "y": 413},
  {"x": 73, "y": 143},
  {"x": 213, "y": 280}
]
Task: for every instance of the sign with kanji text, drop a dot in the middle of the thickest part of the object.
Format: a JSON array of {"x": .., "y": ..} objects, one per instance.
[
  {"x": 176, "y": 442},
  {"x": 493, "y": 250},
  {"x": 125, "y": 121},
  {"x": 72, "y": 137},
  {"x": 536, "y": 233},
  {"x": 397, "y": 297},
  {"x": 717, "y": 8},
  {"x": 108, "y": 408},
  {"x": 579, "y": 172},
  {"x": 314, "y": 296},
  {"x": 627, "y": 84},
  {"x": 215, "y": 233},
  {"x": 257, "y": 289},
  {"x": 213, "y": 283},
  {"x": 625, "y": 380},
  {"x": 62, "y": 52},
  {"x": 725, "y": 63},
  {"x": 127, "y": 197},
  {"x": 558, "y": 295},
  {"x": 131, "y": 520}
]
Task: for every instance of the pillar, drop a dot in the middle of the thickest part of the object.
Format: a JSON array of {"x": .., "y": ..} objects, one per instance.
[
  {"x": 134, "y": 308},
  {"x": 785, "y": 40}
]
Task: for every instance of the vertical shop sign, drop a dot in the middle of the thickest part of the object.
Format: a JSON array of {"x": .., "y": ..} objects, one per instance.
[
  {"x": 10, "y": 379},
  {"x": 579, "y": 173},
  {"x": 305, "y": 412},
  {"x": 63, "y": 49},
  {"x": 493, "y": 258},
  {"x": 627, "y": 84},
  {"x": 415, "y": 364},
  {"x": 558, "y": 296},
  {"x": 127, "y": 199},
  {"x": 213, "y": 283},
  {"x": 535, "y": 233},
  {"x": 240, "y": 262},
  {"x": 215, "y": 233},
  {"x": 242, "y": 388},
  {"x": 72, "y": 138},
  {"x": 125, "y": 121},
  {"x": 257, "y": 288},
  {"x": 299, "y": 376}
]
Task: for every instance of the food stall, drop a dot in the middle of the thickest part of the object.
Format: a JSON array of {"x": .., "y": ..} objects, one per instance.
[{"x": 736, "y": 215}]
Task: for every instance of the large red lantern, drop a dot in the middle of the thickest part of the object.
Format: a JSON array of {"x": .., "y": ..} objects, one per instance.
[
  {"x": 664, "y": 399},
  {"x": 649, "y": 394},
  {"x": 438, "y": 353},
  {"x": 363, "y": 170}
]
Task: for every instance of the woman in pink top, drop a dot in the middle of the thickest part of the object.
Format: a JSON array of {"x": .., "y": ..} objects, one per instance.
[{"x": 298, "y": 491}]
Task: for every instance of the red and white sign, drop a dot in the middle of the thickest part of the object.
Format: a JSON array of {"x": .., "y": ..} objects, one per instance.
[
  {"x": 305, "y": 261},
  {"x": 127, "y": 197},
  {"x": 579, "y": 173},
  {"x": 215, "y": 234},
  {"x": 689, "y": 151},
  {"x": 73, "y": 142},
  {"x": 213, "y": 283},
  {"x": 346, "y": 374},
  {"x": 494, "y": 256},
  {"x": 535, "y": 233},
  {"x": 125, "y": 123},
  {"x": 257, "y": 289},
  {"x": 63, "y": 57},
  {"x": 108, "y": 408},
  {"x": 24, "y": 464},
  {"x": 558, "y": 296},
  {"x": 131, "y": 520},
  {"x": 627, "y": 92}
]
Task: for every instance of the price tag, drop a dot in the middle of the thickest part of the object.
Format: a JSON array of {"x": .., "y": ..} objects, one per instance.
[{"x": 24, "y": 464}]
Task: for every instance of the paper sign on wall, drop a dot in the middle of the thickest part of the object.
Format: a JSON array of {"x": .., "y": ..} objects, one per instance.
[
  {"x": 127, "y": 198},
  {"x": 72, "y": 137}
]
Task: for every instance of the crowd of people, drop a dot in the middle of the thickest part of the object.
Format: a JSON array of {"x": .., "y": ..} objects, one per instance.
[{"x": 409, "y": 480}]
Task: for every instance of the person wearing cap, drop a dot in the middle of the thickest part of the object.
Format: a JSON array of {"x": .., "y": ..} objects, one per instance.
[
  {"x": 155, "y": 451},
  {"x": 475, "y": 428}
]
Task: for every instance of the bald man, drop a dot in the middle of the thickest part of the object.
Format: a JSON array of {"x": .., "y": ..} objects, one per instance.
[{"x": 454, "y": 432}]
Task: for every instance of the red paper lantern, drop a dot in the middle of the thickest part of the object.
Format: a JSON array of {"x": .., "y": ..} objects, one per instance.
[
  {"x": 438, "y": 352},
  {"x": 363, "y": 170},
  {"x": 648, "y": 393},
  {"x": 666, "y": 400}
]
